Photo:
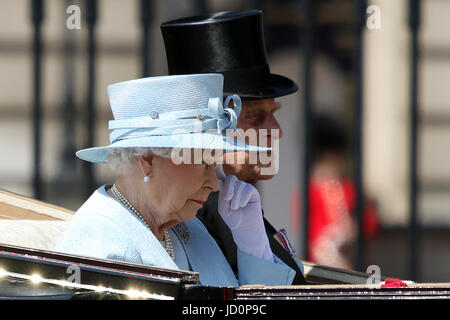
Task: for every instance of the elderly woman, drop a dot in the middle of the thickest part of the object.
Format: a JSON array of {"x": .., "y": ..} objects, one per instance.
[{"x": 147, "y": 215}]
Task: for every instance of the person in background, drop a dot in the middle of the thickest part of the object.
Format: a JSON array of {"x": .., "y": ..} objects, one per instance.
[
  {"x": 332, "y": 229},
  {"x": 232, "y": 43}
]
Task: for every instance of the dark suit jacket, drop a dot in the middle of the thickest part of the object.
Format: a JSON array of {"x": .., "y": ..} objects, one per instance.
[{"x": 212, "y": 220}]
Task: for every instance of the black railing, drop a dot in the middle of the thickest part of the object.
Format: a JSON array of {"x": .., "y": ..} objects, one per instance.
[
  {"x": 37, "y": 16},
  {"x": 306, "y": 33},
  {"x": 360, "y": 13},
  {"x": 146, "y": 11},
  {"x": 414, "y": 23},
  {"x": 68, "y": 107},
  {"x": 91, "y": 20}
]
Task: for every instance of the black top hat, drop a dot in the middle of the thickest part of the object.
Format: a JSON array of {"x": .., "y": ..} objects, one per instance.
[{"x": 231, "y": 43}]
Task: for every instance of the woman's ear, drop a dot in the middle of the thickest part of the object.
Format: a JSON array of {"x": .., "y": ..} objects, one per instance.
[{"x": 146, "y": 164}]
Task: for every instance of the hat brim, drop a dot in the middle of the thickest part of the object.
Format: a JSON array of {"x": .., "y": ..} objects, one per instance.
[
  {"x": 274, "y": 86},
  {"x": 203, "y": 140}
]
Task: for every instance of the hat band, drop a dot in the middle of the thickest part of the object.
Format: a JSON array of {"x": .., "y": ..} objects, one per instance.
[
  {"x": 177, "y": 122},
  {"x": 246, "y": 79}
]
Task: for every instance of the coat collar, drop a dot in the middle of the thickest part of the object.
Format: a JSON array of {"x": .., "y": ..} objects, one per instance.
[{"x": 204, "y": 255}]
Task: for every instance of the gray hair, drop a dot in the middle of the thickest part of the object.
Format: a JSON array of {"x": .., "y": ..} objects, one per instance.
[{"x": 121, "y": 159}]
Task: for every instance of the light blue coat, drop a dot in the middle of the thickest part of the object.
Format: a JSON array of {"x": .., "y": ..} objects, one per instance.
[{"x": 104, "y": 228}]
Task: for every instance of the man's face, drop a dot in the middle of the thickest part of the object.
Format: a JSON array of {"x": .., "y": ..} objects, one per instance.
[{"x": 256, "y": 114}]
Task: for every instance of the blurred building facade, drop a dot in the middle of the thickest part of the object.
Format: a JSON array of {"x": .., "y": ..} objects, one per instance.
[{"x": 386, "y": 106}]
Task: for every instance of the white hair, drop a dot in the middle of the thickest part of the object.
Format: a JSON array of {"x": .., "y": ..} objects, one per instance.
[{"x": 121, "y": 159}]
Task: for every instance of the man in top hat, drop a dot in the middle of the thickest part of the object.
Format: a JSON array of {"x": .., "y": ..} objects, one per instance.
[{"x": 232, "y": 43}]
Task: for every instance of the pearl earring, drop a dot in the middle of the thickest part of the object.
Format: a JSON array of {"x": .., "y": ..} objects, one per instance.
[{"x": 147, "y": 177}]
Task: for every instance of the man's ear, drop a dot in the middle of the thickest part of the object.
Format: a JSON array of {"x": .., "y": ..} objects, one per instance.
[{"x": 146, "y": 164}]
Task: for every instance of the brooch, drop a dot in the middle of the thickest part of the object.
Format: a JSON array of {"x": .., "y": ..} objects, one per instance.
[
  {"x": 154, "y": 115},
  {"x": 182, "y": 231}
]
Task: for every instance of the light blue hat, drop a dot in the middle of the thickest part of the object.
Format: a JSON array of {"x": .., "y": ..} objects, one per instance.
[{"x": 182, "y": 111}]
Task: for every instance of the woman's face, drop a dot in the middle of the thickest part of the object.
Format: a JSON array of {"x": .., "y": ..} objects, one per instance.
[{"x": 182, "y": 188}]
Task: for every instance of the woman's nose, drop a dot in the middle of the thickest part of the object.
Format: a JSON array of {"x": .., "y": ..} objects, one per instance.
[{"x": 212, "y": 182}]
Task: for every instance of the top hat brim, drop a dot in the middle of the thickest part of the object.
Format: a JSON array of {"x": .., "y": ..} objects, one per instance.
[
  {"x": 274, "y": 86},
  {"x": 230, "y": 43}
]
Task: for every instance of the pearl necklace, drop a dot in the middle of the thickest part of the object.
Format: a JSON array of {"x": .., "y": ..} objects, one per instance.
[{"x": 167, "y": 242}]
